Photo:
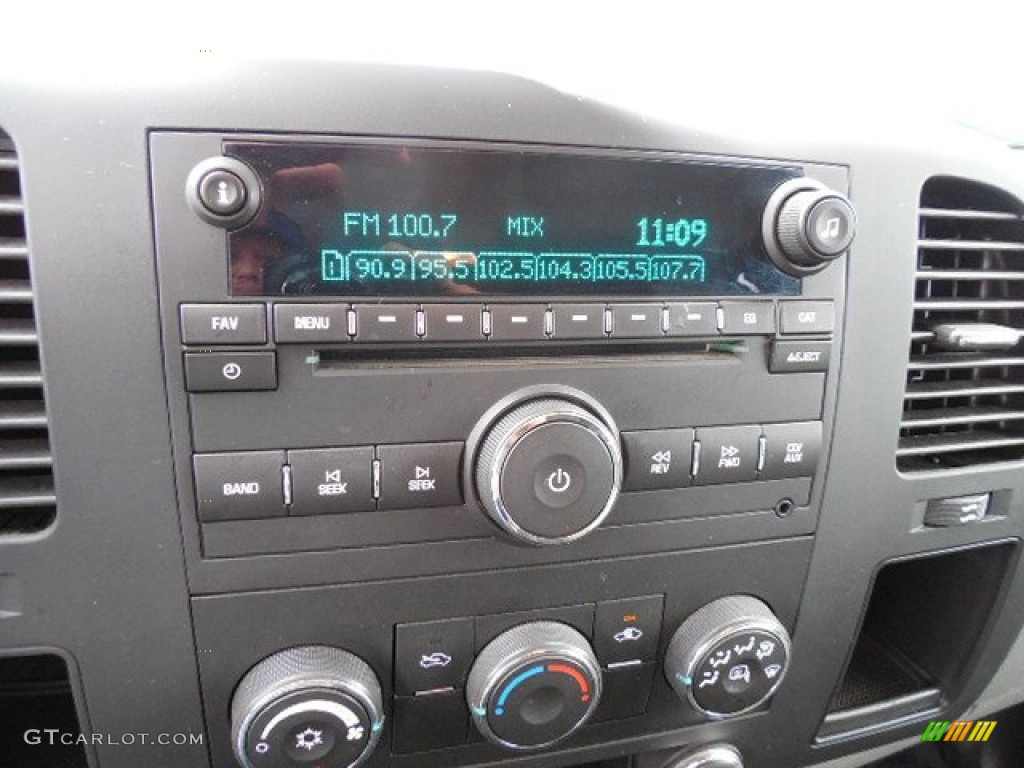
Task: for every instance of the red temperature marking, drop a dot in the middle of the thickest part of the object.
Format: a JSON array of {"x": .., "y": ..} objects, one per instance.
[{"x": 574, "y": 674}]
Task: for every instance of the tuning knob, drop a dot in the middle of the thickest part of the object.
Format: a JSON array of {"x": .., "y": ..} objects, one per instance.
[
  {"x": 533, "y": 686},
  {"x": 549, "y": 471},
  {"x": 308, "y": 706},
  {"x": 728, "y": 657},
  {"x": 806, "y": 226}
]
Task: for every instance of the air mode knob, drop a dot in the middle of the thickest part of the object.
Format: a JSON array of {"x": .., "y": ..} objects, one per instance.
[
  {"x": 533, "y": 685},
  {"x": 308, "y": 706},
  {"x": 806, "y": 226},
  {"x": 728, "y": 657},
  {"x": 549, "y": 470}
]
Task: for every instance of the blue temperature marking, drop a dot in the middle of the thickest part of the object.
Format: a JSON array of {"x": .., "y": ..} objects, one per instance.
[{"x": 522, "y": 676}]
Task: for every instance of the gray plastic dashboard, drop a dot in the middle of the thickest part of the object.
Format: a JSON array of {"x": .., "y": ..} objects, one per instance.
[{"x": 119, "y": 586}]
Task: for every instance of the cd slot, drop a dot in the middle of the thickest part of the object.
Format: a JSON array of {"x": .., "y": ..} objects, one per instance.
[{"x": 625, "y": 353}]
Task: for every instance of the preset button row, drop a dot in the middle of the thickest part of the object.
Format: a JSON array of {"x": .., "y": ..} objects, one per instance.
[
  {"x": 676, "y": 458},
  {"x": 388, "y": 323},
  {"x": 261, "y": 484}
]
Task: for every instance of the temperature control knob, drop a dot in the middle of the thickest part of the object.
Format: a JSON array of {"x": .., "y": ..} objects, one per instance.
[
  {"x": 308, "y": 706},
  {"x": 806, "y": 226},
  {"x": 549, "y": 471},
  {"x": 533, "y": 685},
  {"x": 728, "y": 657}
]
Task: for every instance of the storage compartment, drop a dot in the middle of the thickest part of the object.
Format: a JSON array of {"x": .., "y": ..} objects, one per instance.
[
  {"x": 37, "y": 714},
  {"x": 924, "y": 620}
]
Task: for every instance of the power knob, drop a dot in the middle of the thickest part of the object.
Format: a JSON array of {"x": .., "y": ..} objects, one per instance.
[
  {"x": 806, "y": 226},
  {"x": 308, "y": 706},
  {"x": 728, "y": 657},
  {"x": 533, "y": 686},
  {"x": 548, "y": 470}
]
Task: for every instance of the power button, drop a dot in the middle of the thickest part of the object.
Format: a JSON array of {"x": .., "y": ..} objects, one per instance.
[{"x": 559, "y": 481}]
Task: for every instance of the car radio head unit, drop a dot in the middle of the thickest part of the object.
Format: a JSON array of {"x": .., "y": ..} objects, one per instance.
[{"x": 405, "y": 219}]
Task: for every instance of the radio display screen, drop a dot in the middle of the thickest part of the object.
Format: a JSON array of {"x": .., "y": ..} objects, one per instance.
[{"x": 404, "y": 220}]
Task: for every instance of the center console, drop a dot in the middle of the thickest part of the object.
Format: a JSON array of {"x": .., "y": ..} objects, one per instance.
[{"x": 461, "y": 428}]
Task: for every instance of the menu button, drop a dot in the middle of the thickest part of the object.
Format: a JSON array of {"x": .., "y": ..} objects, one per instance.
[{"x": 309, "y": 323}]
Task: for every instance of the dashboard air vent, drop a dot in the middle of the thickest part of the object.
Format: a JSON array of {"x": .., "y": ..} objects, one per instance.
[
  {"x": 964, "y": 402},
  {"x": 27, "y": 498}
]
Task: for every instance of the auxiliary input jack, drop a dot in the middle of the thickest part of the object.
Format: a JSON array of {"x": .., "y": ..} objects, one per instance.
[{"x": 785, "y": 508}]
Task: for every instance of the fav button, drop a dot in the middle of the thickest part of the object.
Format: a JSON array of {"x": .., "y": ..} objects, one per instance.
[
  {"x": 223, "y": 323},
  {"x": 627, "y": 630},
  {"x": 332, "y": 480},
  {"x": 420, "y": 475},
  {"x": 432, "y": 655}
]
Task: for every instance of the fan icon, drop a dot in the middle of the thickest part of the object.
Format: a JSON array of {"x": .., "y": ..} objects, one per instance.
[{"x": 308, "y": 739}]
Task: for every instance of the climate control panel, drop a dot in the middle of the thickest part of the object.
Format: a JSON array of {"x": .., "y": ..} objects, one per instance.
[{"x": 522, "y": 682}]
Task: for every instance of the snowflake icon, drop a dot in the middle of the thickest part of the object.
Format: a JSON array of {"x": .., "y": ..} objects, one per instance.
[{"x": 308, "y": 739}]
